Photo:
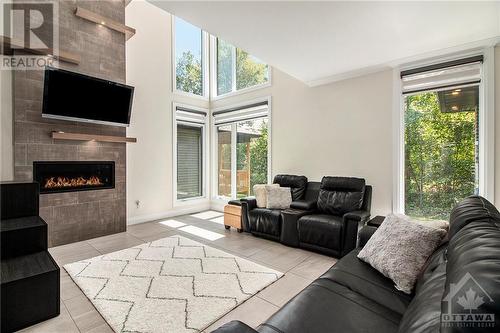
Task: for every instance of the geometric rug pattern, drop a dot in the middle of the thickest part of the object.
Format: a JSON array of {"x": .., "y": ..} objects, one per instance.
[{"x": 172, "y": 284}]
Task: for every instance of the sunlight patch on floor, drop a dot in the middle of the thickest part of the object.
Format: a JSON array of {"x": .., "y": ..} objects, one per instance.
[
  {"x": 219, "y": 220},
  {"x": 200, "y": 232},
  {"x": 209, "y": 214},
  {"x": 172, "y": 223}
]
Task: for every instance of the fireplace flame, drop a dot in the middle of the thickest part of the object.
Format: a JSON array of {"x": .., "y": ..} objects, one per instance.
[{"x": 58, "y": 182}]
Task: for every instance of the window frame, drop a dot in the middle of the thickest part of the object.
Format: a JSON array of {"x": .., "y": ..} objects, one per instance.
[
  {"x": 213, "y": 75},
  {"x": 205, "y": 64},
  {"x": 486, "y": 126},
  {"x": 205, "y": 144},
  {"x": 214, "y": 154}
]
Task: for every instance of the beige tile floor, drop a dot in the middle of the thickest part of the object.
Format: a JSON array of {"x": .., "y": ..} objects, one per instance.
[{"x": 300, "y": 268}]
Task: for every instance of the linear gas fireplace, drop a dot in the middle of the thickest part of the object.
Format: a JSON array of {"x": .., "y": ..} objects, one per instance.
[{"x": 66, "y": 176}]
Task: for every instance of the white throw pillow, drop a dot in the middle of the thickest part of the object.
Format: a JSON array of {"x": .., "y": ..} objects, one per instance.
[
  {"x": 278, "y": 197},
  {"x": 259, "y": 190},
  {"x": 399, "y": 249}
]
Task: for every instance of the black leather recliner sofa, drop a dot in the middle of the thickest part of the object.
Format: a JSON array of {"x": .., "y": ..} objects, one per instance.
[
  {"x": 323, "y": 217},
  {"x": 266, "y": 222},
  {"x": 354, "y": 297},
  {"x": 343, "y": 205}
]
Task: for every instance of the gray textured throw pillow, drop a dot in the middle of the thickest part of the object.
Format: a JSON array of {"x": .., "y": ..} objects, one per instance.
[
  {"x": 278, "y": 197},
  {"x": 399, "y": 249}
]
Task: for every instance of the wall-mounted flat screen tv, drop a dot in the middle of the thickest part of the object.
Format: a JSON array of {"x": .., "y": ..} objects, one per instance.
[{"x": 77, "y": 97}]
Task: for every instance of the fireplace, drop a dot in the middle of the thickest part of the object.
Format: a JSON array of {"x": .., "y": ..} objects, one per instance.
[{"x": 55, "y": 177}]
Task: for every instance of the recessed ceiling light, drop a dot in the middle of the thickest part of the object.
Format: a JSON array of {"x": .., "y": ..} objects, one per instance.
[
  {"x": 103, "y": 23},
  {"x": 454, "y": 108}
]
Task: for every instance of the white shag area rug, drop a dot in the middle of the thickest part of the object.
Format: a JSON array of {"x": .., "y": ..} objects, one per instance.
[{"x": 171, "y": 285}]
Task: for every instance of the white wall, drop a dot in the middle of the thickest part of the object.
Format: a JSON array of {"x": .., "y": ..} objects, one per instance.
[
  {"x": 344, "y": 128},
  {"x": 149, "y": 161},
  {"x": 6, "y": 147}
]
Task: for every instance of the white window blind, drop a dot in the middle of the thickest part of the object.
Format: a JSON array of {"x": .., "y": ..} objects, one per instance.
[
  {"x": 251, "y": 111},
  {"x": 189, "y": 115},
  {"x": 441, "y": 76}
]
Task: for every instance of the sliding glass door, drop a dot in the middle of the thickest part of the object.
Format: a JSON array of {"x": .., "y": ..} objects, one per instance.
[
  {"x": 251, "y": 155},
  {"x": 242, "y": 151},
  {"x": 224, "y": 170}
]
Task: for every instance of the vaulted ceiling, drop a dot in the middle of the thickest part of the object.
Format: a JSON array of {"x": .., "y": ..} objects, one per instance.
[{"x": 320, "y": 42}]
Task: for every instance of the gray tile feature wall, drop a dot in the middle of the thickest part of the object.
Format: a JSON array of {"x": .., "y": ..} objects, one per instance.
[{"x": 75, "y": 216}]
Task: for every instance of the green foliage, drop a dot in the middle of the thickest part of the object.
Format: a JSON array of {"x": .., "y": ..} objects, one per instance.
[
  {"x": 189, "y": 74},
  {"x": 249, "y": 72},
  {"x": 224, "y": 67},
  {"x": 440, "y": 157},
  {"x": 258, "y": 156},
  {"x": 256, "y": 161}
]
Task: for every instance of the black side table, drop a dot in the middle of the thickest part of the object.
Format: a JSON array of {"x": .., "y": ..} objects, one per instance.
[
  {"x": 376, "y": 221},
  {"x": 369, "y": 229}
]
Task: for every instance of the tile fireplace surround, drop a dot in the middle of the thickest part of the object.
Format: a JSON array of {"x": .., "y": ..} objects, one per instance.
[{"x": 77, "y": 215}]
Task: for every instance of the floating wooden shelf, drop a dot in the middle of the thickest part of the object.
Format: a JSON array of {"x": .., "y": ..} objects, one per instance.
[
  {"x": 104, "y": 21},
  {"x": 12, "y": 44},
  {"x": 91, "y": 137}
]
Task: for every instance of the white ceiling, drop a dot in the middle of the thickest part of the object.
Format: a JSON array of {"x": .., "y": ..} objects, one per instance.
[{"x": 321, "y": 42}]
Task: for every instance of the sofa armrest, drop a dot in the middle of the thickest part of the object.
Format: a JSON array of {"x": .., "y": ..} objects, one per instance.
[
  {"x": 357, "y": 215},
  {"x": 235, "y": 326},
  {"x": 247, "y": 204},
  {"x": 353, "y": 221},
  {"x": 250, "y": 203},
  {"x": 303, "y": 205},
  {"x": 365, "y": 234},
  {"x": 289, "y": 229}
]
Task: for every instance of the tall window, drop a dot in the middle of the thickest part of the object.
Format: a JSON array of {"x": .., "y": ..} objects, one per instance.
[
  {"x": 242, "y": 149},
  {"x": 441, "y": 126},
  {"x": 224, "y": 170},
  {"x": 190, "y": 57},
  {"x": 190, "y": 129},
  {"x": 237, "y": 70}
]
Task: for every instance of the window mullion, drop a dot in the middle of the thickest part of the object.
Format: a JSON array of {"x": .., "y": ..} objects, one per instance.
[{"x": 233, "y": 161}]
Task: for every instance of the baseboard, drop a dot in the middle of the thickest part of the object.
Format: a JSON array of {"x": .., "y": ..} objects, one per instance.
[{"x": 176, "y": 211}]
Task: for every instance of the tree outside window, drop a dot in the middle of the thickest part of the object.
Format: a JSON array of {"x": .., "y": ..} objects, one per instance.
[
  {"x": 441, "y": 151},
  {"x": 188, "y": 58}
]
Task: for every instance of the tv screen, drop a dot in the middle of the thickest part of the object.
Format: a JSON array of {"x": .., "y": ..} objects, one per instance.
[{"x": 78, "y": 97}]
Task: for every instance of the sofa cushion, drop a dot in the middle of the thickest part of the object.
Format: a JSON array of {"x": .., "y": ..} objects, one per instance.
[
  {"x": 340, "y": 195},
  {"x": 321, "y": 230},
  {"x": 325, "y": 306},
  {"x": 367, "y": 281},
  {"x": 424, "y": 311},
  {"x": 473, "y": 260},
  {"x": 297, "y": 184},
  {"x": 265, "y": 221}
]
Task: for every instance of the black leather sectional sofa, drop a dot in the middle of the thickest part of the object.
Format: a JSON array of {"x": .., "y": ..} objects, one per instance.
[
  {"x": 323, "y": 217},
  {"x": 354, "y": 297}
]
